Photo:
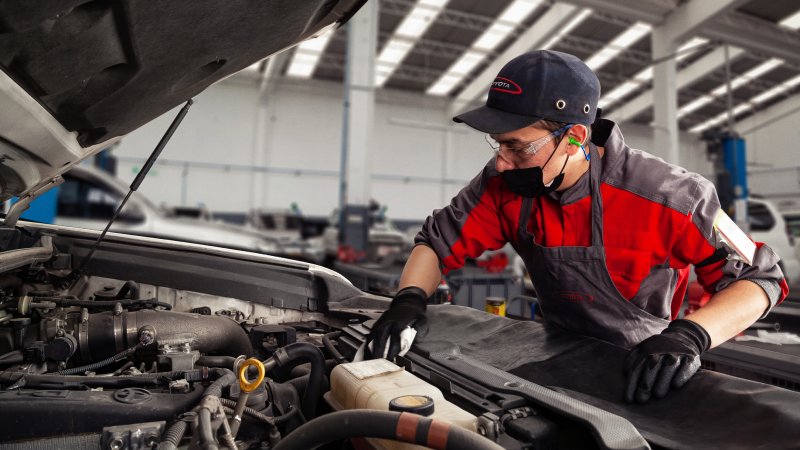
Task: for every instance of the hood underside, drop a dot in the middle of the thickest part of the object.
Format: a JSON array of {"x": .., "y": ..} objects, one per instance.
[{"x": 79, "y": 73}]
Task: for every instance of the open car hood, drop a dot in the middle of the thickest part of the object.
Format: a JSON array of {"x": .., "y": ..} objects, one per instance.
[{"x": 79, "y": 74}]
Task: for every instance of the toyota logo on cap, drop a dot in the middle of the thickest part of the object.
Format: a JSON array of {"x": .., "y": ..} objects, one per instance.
[{"x": 501, "y": 84}]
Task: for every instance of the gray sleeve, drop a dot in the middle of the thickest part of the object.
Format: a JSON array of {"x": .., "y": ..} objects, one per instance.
[
  {"x": 764, "y": 272},
  {"x": 466, "y": 227}
]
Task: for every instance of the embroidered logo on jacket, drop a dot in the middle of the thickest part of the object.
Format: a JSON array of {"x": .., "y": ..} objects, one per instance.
[
  {"x": 501, "y": 84},
  {"x": 574, "y": 297}
]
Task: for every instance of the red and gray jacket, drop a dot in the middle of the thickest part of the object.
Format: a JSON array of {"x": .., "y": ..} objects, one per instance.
[{"x": 656, "y": 216}]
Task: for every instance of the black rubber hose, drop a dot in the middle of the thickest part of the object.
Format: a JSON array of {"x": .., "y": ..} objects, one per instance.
[
  {"x": 13, "y": 357},
  {"x": 100, "y": 364},
  {"x": 249, "y": 411},
  {"x": 328, "y": 343},
  {"x": 403, "y": 427},
  {"x": 173, "y": 435},
  {"x": 224, "y": 377},
  {"x": 129, "y": 286},
  {"x": 316, "y": 380},
  {"x": 290, "y": 413},
  {"x": 216, "y": 361}
]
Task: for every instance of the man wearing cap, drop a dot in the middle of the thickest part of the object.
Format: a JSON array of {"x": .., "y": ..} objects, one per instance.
[{"x": 606, "y": 232}]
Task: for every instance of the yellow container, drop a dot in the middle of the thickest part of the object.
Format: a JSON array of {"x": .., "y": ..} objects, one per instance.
[{"x": 496, "y": 306}]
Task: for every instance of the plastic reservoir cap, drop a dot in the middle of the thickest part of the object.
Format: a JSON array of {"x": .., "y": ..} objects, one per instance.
[{"x": 417, "y": 404}]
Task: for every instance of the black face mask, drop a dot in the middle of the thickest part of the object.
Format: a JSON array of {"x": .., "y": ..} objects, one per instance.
[{"x": 529, "y": 183}]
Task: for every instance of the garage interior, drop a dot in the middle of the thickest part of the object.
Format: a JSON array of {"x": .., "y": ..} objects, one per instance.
[{"x": 334, "y": 151}]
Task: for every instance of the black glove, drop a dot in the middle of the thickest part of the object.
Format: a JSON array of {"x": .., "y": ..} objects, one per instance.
[
  {"x": 407, "y": 308},
  {"x": 665, "y": 360}
]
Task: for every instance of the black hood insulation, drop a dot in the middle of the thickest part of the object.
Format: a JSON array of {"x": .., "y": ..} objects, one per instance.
[{"x": 103, "y": 68}]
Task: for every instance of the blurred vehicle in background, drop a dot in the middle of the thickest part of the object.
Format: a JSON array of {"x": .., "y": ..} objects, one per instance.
[
  {"x": 792, "y": 219},
  {"x": 386, "y": 243},
  {"x": 201, "y": 212},
  {"x": 767, "y": 225},
  {"x": 88, "y": 198},
  {"x": 286, "y": 227}
]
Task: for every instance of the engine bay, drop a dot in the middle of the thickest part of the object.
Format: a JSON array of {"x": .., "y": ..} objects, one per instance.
[
  {"x": 172, "y": 345},
  {"x": 101, "y": 361}
]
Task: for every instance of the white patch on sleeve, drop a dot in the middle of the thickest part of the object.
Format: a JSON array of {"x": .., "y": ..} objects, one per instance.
[{"x": 738, "y": 243}]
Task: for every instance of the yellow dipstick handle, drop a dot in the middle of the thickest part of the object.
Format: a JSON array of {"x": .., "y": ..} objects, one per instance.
[{"x": 244, "y": 384}]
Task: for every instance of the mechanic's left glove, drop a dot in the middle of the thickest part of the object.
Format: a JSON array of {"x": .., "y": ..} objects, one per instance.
[{"x": 664, "y": 361}]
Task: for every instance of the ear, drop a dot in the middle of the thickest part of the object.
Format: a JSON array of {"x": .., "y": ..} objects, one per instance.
[{"x": 577, "y": 133}]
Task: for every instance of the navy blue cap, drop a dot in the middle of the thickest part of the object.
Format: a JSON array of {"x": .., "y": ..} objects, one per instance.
[{"x": 541, "y": 84}]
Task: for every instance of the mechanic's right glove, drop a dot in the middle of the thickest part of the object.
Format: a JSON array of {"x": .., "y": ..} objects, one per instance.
[
  {"x": 406, "y": 310},
  {"x": 665, "y": 361}
]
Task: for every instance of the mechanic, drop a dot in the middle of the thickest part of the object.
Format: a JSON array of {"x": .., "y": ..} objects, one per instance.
[{"x": 606, "y": 232}]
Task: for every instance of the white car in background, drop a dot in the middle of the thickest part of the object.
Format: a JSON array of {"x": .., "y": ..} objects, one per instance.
[
  {"x": 89, "y": 197},
  {"x": 767, "y": 225}
]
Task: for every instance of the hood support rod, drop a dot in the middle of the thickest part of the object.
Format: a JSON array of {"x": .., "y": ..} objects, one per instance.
[{"x": 76, "y": 274}]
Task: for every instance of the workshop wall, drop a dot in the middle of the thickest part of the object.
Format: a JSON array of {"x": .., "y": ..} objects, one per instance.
[
  {"x": 235, "y": 150},
  {"x": 772, "y": 138}
]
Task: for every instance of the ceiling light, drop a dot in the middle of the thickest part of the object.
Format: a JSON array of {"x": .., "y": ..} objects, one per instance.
[
  {"x": 493, "y": 36},
  {"x": 748, "y": 76},
  {"x": 514, "y": 14},
  {"x": 411, "y": 28},
  {"x": 565, "y": 30},
  {"x": 618, "y": 44},
  {"x": 307, "y": 55},
  {"x": 518, "y": 10},
  {"x": 394, "y": 51},
  {"x": 646, "y": 74},
  {"x": 792, "y": 21},
  {"x": 777, "y": 90},
  {"x": 466, "y": 62}
]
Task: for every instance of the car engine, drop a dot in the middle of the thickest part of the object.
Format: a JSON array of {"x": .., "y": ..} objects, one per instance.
[{"x": 99, "y": 361}]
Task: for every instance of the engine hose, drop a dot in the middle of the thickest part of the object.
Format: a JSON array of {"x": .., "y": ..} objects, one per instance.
[
  {"x": 100, "y": 364},
  {"x": 206, "y": 433},
  {"x": 126, "y": 303},
  {"x": 75, "y": 442},
  {"x": 249, "y": 411},
  {"x": 216, "y": 361},
  {"x": 129, "y": 286},
  {"x": 327, "y": 342},
  {"x": 13, "y": 357},
  {"x": 173, "y": 435},
  {"x": 149, "y": 379},
  {"x": 224, "y": 377},
  {"x": 316, "y": 380},
  {"x": 396, "y": 426},
  {"x": 290, "y": 413}
]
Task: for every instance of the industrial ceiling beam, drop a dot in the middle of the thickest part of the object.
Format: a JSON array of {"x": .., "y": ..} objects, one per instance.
[
  {"x": 761, "y": 36},
  {"x": 449, "y": 17},
  {"x": 649, "y": 11},
  {"x": 692, "y": 16},
  {"x": 543, "y": 29},
  {"x": 591, "y": 46},
  {"x": 690, "y": 74},
  {"x": 728, "y": 27},
  {"x": 770, "y": 114}
]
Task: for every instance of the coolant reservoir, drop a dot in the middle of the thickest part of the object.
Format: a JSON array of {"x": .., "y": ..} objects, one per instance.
[{"x": 375, "y": 383}]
